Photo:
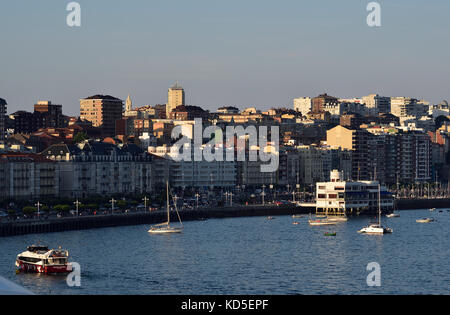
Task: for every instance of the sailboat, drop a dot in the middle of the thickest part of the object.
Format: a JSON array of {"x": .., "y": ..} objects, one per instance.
[
  {"x": 165, "y": 228},
  {"x": 393, "y": 214},
  {"x": 376, "y": 228}
]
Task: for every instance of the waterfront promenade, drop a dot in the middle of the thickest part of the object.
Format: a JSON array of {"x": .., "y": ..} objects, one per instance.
[{"x": 32, "y": 226}]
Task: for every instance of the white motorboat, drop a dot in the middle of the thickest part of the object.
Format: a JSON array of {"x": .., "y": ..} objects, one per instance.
[{"x": 425, "y": 220}]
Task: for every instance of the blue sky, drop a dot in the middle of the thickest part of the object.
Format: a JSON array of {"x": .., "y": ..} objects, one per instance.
[{"x": 236, "y": 52}]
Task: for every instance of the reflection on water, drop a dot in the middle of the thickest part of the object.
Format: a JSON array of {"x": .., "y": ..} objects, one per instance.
[{"x": 247, "y": 256}]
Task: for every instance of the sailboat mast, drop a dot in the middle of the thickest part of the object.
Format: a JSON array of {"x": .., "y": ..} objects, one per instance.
[
  {"x": 168, "y": 206},
  {"x": 379, "y": 204}
]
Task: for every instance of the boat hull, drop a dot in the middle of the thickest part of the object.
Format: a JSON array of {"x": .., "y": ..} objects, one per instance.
[
  {"x": 312, "y": 223},
  {"x": 36, "y": 268},
  {"x": 375, "y": 231},
  {"x": 165, "y": 231}
]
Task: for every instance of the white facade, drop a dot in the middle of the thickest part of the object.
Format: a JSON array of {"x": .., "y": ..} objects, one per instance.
[
  {"x": 406, "y": 106},
  {"x": 197, "y": 174},
  {"x": 350, "y": 197},
  {"x": 377, "y": 104},
  {"x": 303, "y": 105}
]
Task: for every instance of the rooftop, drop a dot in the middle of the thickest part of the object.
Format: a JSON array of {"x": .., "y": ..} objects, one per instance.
[{"x": 102, "y": 97}]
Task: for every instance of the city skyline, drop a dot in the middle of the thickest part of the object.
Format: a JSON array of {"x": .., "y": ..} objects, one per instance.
[{"x": 262, "y": 55}]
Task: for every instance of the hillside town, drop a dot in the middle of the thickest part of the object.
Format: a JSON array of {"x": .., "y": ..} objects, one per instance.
[{"x": 114, "y": 148}]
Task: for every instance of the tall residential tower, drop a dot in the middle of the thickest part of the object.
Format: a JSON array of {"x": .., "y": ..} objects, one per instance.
[{"x": 175, "y": 98}]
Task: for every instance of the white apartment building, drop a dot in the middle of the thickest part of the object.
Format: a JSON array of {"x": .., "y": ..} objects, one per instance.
[
  {"x": 377, "y": 104},
  {"x": 407, "y": 106},
  {"x": 197, "y": 174}
]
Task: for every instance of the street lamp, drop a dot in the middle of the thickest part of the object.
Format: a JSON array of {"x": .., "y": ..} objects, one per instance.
[
  {"x": 38, "y": 205},
  {"x": 77, "y": 203},
  {"x": 263, "y": 194},
  {"x": 145, "y": 199},
  {"x": 197, "y": 195},
  {"x": 112, "y": 205}
]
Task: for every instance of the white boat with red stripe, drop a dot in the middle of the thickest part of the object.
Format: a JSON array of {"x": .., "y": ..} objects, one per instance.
[{"x": 41, "y": 259}]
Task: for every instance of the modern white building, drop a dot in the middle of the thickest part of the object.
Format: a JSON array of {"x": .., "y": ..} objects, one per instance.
[
  {"x": 377, "y": 103},
  {"x": 407, "y": 106},
  {"x": 351, "y": 197}
]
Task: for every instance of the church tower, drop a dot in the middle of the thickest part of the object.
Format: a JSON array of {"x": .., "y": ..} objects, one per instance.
[{"x": 128, "y": 104}]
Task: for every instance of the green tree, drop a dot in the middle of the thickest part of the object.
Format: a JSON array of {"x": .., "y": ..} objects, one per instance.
[
  {"x": 29, "y": 210},
  {"x": 122, "y": 204},
  {"x": 80, "y": 137},
  {"x": 62, "y": 208}
]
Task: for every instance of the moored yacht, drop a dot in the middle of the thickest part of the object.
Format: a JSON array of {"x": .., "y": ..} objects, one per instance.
[
  {"x": 41, "y": 259},
  {"x": 376, "y": 228}
]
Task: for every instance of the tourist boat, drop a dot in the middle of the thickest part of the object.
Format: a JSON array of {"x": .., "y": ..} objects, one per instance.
[
  {"x": 425, "y": 220},
  {"x": 165, "y": 228},
  {"x": 41, "y": 259},
  {"x": 376, "y": 228}
]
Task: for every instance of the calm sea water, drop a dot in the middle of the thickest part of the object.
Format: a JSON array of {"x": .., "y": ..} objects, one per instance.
[{"x": 248, "y": 256}]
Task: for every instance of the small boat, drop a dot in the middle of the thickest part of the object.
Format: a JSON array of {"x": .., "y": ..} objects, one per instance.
[
  {"x": 41, "y": 259},
  {"x": 376, "y": 228},
  {"x": 295, "y": 223},
  {"x": 425, "y": 220},
  {"x": 330, "y": 234},
  {"x": 393, "y": 215},
  {"x": 337, "y": 218},
  {"x": 297, "y": 216},
  {"x": 432, "y": 209},
  {"x": 318, "y": 222},
  {"x": 270, "y": 218},
  {"x": 165, "y": 228}
]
